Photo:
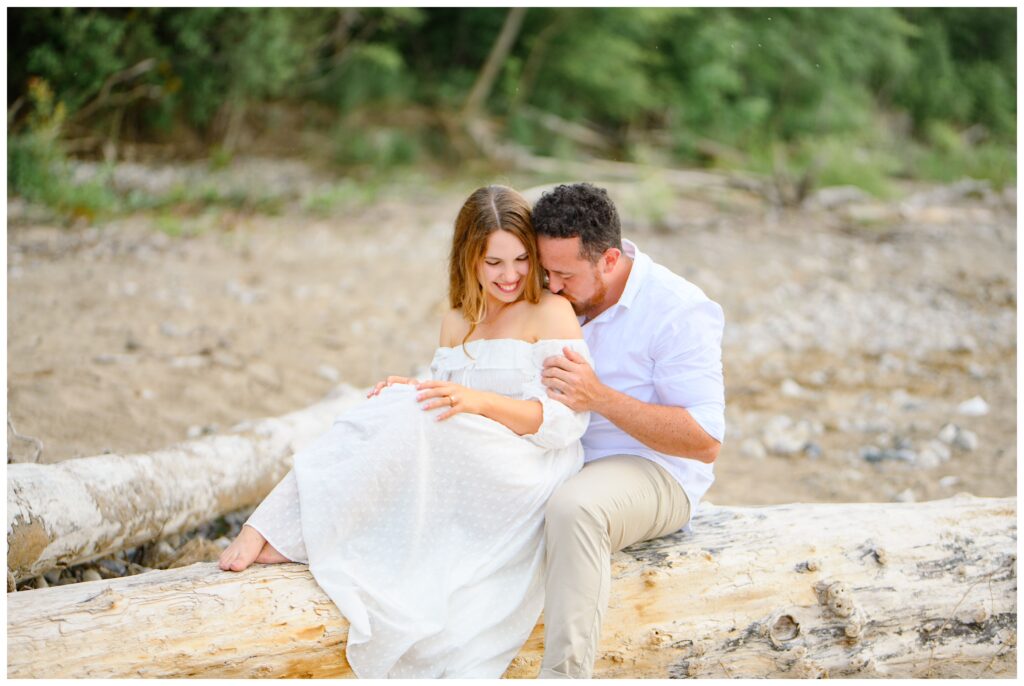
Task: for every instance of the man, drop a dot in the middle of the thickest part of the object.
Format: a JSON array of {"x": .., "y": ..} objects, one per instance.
[{"x": 657, "y": 406}]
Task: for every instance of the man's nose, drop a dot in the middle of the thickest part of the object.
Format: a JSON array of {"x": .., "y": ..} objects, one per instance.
[{"x": 554, "y": 284}]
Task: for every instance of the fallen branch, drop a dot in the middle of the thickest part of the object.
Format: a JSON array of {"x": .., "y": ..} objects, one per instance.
[
  {"x": 482, "y": 133},
  {"x": 78, "y": 510},
  {"x": 803, "y": 590},
  {"x": 578, "y": 133}
]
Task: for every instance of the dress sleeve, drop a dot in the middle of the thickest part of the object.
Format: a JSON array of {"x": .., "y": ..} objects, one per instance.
[{"x": 560, "y": 425}]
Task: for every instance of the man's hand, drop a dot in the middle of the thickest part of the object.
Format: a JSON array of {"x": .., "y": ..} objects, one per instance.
[{"x": 572, "y": 381}]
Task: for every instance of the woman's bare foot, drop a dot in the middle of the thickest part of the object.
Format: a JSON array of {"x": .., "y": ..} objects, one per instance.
[
  {"x": 270, "y": 556},
  {"x": 243, "y": 551}
]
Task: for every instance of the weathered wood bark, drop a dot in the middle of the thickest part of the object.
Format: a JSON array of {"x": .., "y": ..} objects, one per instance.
[
  {"x": 894, "y": 590},
  {"x": 78, "y": 510}
]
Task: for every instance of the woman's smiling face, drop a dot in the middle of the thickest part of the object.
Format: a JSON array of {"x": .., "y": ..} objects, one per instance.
[{"x": 502, "y": 271}]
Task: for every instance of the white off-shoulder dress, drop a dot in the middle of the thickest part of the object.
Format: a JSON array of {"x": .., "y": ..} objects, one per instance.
[{"x": 428, "y": 535}]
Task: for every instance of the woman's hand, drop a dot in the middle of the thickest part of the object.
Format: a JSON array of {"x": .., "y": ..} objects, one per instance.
[
  {"x": 381, "y": 385},
  {"x": 453, "y": 396}
]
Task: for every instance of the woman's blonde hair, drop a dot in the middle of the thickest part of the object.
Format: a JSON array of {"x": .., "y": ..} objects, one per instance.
[{"x": 488, "y": 209}]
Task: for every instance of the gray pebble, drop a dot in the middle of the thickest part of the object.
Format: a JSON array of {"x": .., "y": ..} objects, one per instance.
[
  {"x": 113, "y": 567},
  {"x": 875, "y": 454}
]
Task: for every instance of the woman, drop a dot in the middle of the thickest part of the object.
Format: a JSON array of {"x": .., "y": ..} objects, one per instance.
[{"x": 420, "y": 512}]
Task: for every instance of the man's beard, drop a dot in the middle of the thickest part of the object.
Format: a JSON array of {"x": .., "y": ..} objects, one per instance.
[{"x": 589, "y": 307}]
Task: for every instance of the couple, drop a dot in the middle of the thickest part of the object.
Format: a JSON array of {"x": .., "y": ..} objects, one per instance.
[{"x": 442, "y": 516}]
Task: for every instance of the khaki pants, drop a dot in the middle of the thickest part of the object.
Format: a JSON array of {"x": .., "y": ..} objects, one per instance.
[{"x": 611, "y": 503}]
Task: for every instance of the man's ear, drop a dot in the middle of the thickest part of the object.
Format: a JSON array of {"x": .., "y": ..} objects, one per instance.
[{"x": 610, "y": 258}]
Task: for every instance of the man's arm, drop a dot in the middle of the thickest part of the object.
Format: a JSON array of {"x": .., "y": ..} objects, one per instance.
[{"x": 665, "y": 428}]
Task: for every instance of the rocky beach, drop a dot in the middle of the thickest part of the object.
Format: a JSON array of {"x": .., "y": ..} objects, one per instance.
[{"x": 869, "y": 351}]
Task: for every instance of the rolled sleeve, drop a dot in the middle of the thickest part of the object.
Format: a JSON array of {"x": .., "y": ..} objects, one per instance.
[{"x": 687, "y": 353}]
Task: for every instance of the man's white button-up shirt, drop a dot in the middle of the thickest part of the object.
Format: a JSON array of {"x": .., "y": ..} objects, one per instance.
[{"x": 661, "y": 343}]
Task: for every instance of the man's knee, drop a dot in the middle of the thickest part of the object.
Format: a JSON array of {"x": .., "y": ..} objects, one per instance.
[{"x": 568, "y": 509}]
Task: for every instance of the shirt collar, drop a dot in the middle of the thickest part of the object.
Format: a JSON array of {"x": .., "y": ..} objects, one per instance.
[{"x": 637, "y": 276}]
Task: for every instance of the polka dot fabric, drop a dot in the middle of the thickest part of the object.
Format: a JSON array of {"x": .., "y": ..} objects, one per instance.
[{"x": 428, "y": 535}]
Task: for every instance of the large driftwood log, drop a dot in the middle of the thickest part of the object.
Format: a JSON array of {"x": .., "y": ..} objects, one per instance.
[
  {"x": 894, "y": 590},
  {"x": 78, "y": 510}
]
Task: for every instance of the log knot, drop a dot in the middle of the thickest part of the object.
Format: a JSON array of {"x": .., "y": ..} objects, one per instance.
[
  {"x": 785, "y": 628},
  {"x": 811, "y": 565},
  {"x": 838, "y": 599}
]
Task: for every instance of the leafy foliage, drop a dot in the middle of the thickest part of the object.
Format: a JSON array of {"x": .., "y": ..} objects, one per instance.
[{"x": 814, "y": 83}]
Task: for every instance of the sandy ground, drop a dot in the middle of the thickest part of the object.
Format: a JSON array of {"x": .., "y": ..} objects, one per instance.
[{"x": 855, "y": 329}]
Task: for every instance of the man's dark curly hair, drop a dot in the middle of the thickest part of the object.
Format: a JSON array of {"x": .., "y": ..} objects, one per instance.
[{"x": 583, "y": 210}]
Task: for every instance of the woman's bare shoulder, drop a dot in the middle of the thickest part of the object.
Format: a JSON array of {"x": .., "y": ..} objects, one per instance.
[
  {"x": 553, "y": 317},
  {"x": 453, "y": 328}
]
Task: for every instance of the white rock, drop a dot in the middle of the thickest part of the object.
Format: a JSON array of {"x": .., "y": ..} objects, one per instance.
[
  {"x": 905, "y": 401},
  {"x": 91, "y": 575},
  {"x": 189, "y": 361},
  {"x": 227, "y": 360},
  {"x": 818, "y": 378},
  {"x": 147, "y": 394},
  {"x": 265, "y": 374},
  {"x": 753, "y": 449},
  {"x": 171, "y": 330},
  {"x": 906, "y": 496},
  {"x": 781, "y": 437},
  {"x": 326, "y": 371},
  {"x": 890, "y": 363},
  {"x": 791, "y": 389},
  {"x": 195, "y": 431},
  {"x": 878, "y": 425},
  {"x": 933, "y": 454},
  {"x": 975, "y": 407},
  {"x": 966, "y": 440},
  {"x": 948, "y": 433},
  {"x": 949, "y": 481}
]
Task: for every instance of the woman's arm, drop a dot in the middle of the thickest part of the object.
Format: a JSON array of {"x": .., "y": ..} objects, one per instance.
[
  {"x": 521, "y": 416},
  {"x": 553, "y": 317}
]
